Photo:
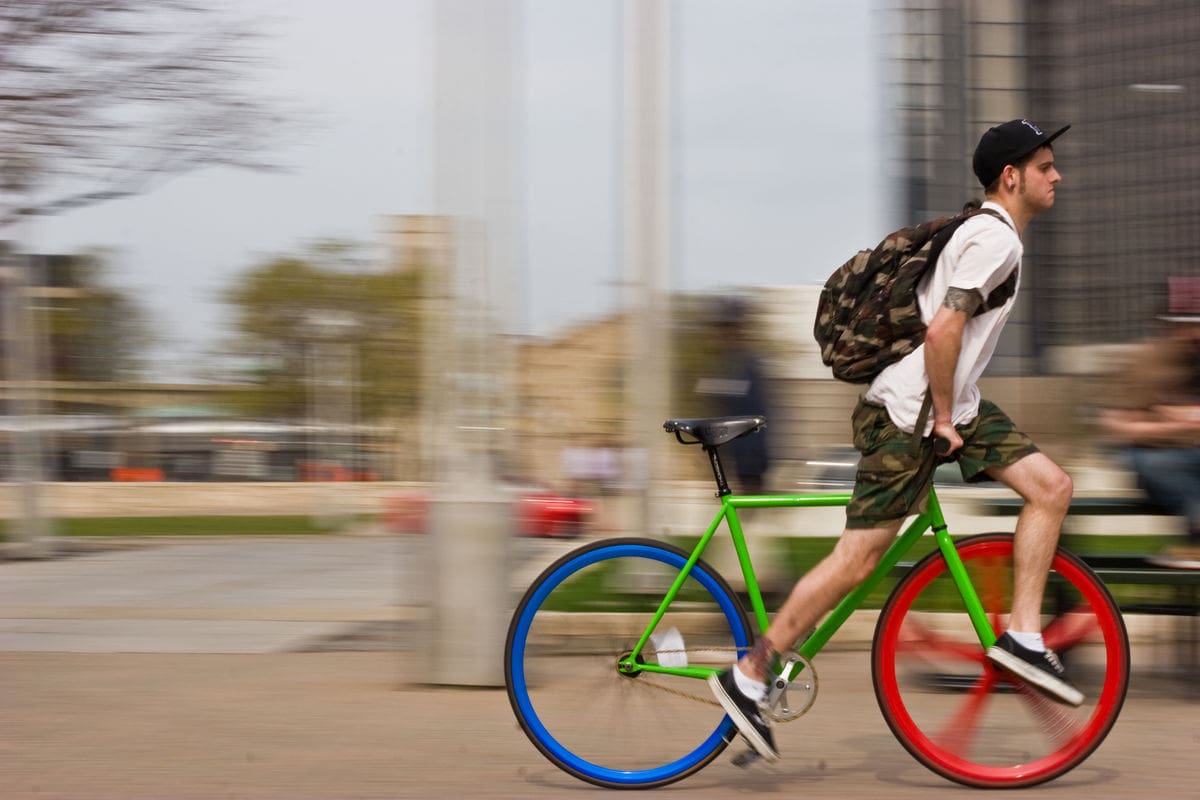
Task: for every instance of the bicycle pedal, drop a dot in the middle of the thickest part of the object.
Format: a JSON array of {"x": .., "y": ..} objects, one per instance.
[
  {"x": 784, "y": 708},
  {"x": 746, "y": 758}
]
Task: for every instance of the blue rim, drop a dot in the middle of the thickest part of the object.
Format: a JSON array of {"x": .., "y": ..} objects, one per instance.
[{"x": 517, "y": 666}]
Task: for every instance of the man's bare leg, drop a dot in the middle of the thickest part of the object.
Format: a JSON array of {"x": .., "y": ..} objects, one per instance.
[
  {"x": 818, "y": 591},
  {"x": 1020, "y": 650},
  {"x": 1046, "y": 490}
]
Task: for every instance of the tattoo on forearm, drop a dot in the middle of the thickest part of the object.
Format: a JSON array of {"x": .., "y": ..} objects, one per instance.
[{"x": 965, "y": 300}]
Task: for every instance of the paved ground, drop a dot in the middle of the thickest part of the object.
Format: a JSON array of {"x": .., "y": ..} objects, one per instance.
[
  {"x": 206, "y": 595},
  {"x": 284, "y": 669}
]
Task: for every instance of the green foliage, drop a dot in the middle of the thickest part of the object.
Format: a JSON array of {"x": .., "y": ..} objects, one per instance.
[
  {"x": 300, "y": 319},
  {"x": 190, "y": 526},
  {"x": 94, "y": 332}
]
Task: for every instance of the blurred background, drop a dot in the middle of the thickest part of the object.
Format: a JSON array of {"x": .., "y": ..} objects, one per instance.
[{"x": 325, "y": 264}]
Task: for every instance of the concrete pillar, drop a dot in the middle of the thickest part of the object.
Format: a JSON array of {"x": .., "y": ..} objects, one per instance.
[
  {"x": 474, "y": 189},
  {"x": 646, "y": 234},
  {"x": 29, "y": 533},
  {"x": 472, "y": 531}
]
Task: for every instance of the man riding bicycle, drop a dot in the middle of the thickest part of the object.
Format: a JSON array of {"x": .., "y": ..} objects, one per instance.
[{"x": 1015, "y": 164}]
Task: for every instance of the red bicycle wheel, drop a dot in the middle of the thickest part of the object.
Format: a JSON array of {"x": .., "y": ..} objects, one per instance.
[{"x": 970, "y": 722}]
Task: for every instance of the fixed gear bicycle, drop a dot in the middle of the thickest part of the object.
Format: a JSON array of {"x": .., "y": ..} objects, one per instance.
[{"x": 608, "y": 650}]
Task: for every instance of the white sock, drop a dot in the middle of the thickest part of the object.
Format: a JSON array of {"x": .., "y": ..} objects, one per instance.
[
  {"x": 755, "y": 690},
  {"x": 1030, "y": 641}
]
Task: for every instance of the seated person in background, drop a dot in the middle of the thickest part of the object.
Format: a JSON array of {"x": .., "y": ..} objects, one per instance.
[{"x": 1156, "y": 418}]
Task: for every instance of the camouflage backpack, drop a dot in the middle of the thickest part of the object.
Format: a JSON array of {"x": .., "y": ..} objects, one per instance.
[{"x": 868, "y": 316}]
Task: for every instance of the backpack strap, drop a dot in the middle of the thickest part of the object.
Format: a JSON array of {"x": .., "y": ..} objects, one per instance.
[
  {"x": 996, "y": 298},
  {"x": 922, "y": 417},
  {"x": 1004, "y": 292}
]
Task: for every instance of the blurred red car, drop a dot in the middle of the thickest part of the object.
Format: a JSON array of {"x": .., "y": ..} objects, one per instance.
[
  {"x": 546, "y": 514},
  {"x": 537, "y": 512}
]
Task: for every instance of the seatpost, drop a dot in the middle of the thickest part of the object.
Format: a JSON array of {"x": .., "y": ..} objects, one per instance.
[{"x": 718, "y": 471}]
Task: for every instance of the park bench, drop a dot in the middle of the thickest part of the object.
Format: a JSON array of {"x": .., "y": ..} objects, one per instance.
[{"x": 1181, "y": 598}]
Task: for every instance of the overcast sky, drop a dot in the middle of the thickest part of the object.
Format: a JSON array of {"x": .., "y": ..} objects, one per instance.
[{"x": 777, "y": 146}]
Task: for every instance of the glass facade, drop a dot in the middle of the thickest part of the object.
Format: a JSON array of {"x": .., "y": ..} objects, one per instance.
[{"x": 1126, "y": 76}]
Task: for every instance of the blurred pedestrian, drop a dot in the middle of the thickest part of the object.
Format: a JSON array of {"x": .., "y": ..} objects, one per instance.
[
  {"x": 1155, "y": 417},
  {"x": 739, "y": 388}
]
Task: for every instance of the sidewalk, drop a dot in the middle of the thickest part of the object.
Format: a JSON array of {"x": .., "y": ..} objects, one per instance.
[
  {"x": 291, "y": 726},
  {"x": 272, "y": 669},
  {"x": 205, "y": 595}
]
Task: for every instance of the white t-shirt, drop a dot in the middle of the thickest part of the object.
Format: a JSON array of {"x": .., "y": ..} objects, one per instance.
[{"x": 979, "y": 256}]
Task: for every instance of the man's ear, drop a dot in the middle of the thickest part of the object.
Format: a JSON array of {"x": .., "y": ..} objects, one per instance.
[{"x": 1010, "y": 178}]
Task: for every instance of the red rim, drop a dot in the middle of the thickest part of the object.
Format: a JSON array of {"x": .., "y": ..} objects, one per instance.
[{"x": 1093, "y": 618}]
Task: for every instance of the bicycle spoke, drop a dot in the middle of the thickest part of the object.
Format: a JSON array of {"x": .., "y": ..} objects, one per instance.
[
  {"x": 958, "y": 734},
  {"x": 993, "y": 577},
  {"x": 580, "y": 618},
  {"x": 921, "y": 639},
  {"x": 1070, "y": 629},
  {"x": 1058, "y": 723},
  {"x": 985, "y": 728}
]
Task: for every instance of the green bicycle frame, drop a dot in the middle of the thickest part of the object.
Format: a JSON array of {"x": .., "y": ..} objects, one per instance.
[{"x": 929, "y": 519}]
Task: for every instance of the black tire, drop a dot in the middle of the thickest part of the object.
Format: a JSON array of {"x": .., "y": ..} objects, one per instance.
[
  {"x": 581, "y": 615},
  {"x": 967, "y": 720}
]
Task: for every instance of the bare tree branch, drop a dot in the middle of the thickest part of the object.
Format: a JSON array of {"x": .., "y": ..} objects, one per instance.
[{"x": 105, "y": 98}]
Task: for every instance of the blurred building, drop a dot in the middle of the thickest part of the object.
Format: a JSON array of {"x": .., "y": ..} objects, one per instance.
[
  {"x": 568, "y": 432},
  {"x": 416, "y": 241},
  {"x": 570, "y": 403},
  {"x": 1125, "y": 75}
]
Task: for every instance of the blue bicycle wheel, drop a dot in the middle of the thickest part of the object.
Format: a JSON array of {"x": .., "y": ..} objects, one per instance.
[{"x": 584, "y": 614}]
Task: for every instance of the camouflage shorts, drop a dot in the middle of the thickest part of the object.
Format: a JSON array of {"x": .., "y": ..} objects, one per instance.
[{"x": 894, "y": 477}]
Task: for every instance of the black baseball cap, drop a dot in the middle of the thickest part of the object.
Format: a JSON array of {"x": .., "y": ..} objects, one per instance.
[{"x": 1007, "y": 144}]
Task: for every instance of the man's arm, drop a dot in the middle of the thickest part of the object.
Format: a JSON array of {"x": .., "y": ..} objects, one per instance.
[
  {"x": 1163, "y": 426},
  {"x": 943, "y": 343}
]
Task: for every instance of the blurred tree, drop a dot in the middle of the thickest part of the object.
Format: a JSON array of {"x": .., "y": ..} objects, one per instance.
[
  {"x": 95, "y": 332},
  {"x": 292, "y": 309},
  {"x": 99, "y": 100}
]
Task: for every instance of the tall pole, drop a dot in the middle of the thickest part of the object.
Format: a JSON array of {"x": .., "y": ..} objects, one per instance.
[
  {"x": 647, "y": 242},
  {"x": 471, "y": 519},
  {"x": 23, "y": 367}
]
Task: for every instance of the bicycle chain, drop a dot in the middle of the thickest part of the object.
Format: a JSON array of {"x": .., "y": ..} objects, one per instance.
[
  {"x": 642, "y": 679},
  {"x": 677, "y": 692}
]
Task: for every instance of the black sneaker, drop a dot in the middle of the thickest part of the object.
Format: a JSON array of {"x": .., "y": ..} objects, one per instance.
[
  {"x": 1041, "y": 670},
  {"x": 745, "y": 713}
]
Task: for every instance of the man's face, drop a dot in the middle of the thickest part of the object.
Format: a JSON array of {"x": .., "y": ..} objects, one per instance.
[{"x": 1037, "y": 180}]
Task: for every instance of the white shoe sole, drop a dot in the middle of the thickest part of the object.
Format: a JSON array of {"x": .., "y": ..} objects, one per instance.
[
  {"x": 1174, "y": 562},
  {"x": 1031, "y": 674},
  {"x": 744, "y": 728}
]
